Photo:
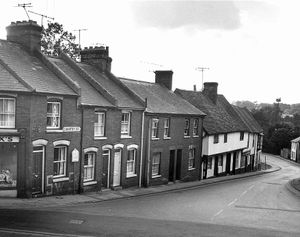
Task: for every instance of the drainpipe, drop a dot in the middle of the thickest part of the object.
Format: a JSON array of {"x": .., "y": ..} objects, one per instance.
[
  {"x": 80, "y": 158},
  {"x": 148, "y": 153},
  {"x": 142, "y": 145}
]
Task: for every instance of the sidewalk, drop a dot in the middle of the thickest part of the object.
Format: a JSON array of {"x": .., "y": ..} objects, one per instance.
[{"x": 106, "y": 195}]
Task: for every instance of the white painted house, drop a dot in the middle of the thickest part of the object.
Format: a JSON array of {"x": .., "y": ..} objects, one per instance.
[{"x": 295, "y": 149}]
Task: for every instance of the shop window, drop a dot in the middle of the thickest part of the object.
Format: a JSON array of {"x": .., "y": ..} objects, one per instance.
[
  {"x": 209, "y": 163},
  {"x": 89, "y": 166},
  {"x": 131, "y": 160},
  {"x": 99, "y": 125},
  {"x": 53, "y": 114},
  {"x": 7, "y": 112},
  {"x": 154, "y": 133},
  {"x": 191, "y": 161},
  {"x": 156, "y": 158},
  {"x": 8, "y": 165},
  {"x": 60, "y": 161}
]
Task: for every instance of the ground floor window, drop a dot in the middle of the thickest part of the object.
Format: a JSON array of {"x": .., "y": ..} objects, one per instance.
[
  {"x": 60, "y": 161},
  {"x": 191, "y": 164},
  {"x": 156, "y": 164},
  {"x": 220, "y": 160},
  {"x": 89, "y": 166},
  {"x": 131, "y": 158},
  {"x": 8, "y": 165},
  {"x": 209, "y": 163},
  {"x": 243, "y": 161}
]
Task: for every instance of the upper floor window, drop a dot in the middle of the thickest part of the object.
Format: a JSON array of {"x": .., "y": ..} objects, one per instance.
[
  {"x": 242, "y": 136},
  {"x": 186, "y": 127},
  {"x": 191, "y": 164},
  {"x": 60, "y": 161},
  {"x": 131, "y": 160},
  {"x": 53, "y": 114},
  {"x": 216, "y": 138},
  {"x": 125, "y": 123},
  {"x": 7, "y": 113},
  {"x": 225, "y": 138},
  {"x": 154, "y": 133},
  {"x": 166, "y": 127},
  {"x": 99, "y": 125},
  {"x": 196, "y": 127},
  {"x": 156, "y": 164},
  {"x": 89, "y": 166}
]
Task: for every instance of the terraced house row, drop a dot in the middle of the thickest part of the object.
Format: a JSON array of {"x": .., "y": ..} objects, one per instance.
[{"x": 69, "y": 127}]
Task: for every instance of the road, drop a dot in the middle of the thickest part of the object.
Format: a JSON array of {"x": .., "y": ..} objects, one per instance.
[{"x": 254, "y": 206}]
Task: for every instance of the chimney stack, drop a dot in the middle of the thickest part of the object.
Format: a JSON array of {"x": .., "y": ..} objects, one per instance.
[
  {"x": 98, "y": 56},
  {"x": 164, "y": 78},
  {"x": 211, "y": 91},
  {"x": 26, "y": 33}
]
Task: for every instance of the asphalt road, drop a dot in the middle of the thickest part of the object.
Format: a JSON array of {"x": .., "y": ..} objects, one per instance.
[{"x": 254, "y": 206}]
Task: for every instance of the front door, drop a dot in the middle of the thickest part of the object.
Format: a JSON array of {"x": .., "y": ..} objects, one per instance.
[
  {"x": 178, "y": 164},
  {"x": 204, "y": 167},
  {"x": 105, "y": 168},
  {"x": 228, "y": 161},
  {"x": 171, "y": 165},
  {"x": 37, "y": 170},
  {"x": 117, "y": 168}
]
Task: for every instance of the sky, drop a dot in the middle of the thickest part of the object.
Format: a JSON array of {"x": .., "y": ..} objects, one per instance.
[{"x": 252, "y": 48}]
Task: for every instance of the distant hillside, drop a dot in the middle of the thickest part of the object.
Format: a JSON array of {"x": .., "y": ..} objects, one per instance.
[{"x": 286, "y": 108}]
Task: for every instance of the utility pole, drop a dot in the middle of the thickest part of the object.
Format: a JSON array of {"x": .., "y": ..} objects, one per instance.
[
  {"x": 42, "y": 17},
  {"x": 201, "y": 69},
  {"x": 25, "y": 5},
  {"x": 79, "y": 31}
]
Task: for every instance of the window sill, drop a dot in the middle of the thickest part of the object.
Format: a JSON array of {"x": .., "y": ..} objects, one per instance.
[
  {"x": 156, "y": 176},
  {"x": 8, "y": 130},
  {"x": 167, "y": 138},
  {"x": 187, "y": 136},
  {"x": 131, "y": 175},
  {"x": 60, "y": 179},
  {"x": 155, "y": 138},
  {"x": 195, "y": 135},
  {"x": 87, "y": 183},
  {"x": 190, "y": 169},
  {"x": 54, "y": 130},
  {"x": 125, "y": 136},
  {"x": 100, "y": 138}
]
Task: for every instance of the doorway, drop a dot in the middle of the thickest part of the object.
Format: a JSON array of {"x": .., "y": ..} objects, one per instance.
[
  {"x": 105, "y": 168},
  {"x": 38, "y": 157},
  {"x": 117, "y": 168},
  {"x": 228, "y": 162},
  {"x": 178, "y": 164},
  {"x": 171, "y": 166}
]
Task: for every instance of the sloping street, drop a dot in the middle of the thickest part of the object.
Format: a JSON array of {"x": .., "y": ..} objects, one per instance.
[{"x": 254, "y": 206}]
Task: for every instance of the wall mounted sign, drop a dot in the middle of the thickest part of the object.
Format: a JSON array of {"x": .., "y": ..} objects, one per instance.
[
  {"x": 71, "y": 129},
  {"x": 75, "y": 155},
  {"x": 9, "y": 139}
]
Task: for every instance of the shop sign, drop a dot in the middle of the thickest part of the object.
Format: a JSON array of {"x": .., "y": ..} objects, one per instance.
[
  {"x": 9, "y": 139},
  {"x": 75, "y": 155},
  {"x": 71, "y": 129}
]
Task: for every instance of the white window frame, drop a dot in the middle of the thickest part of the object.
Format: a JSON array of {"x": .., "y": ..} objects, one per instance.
[
  {"x": 167, "y": 127},
  {"x": 125, "y": 124},
  {"x": 154, "y": 128},
  {"x": 6, "y": 123},
  {"x": 90, "y": 166},
  {"x": 191, "y": 159},
  {"x": 156, "y": 163},
  {"x": 196, "y": 127},
  {"x": 62, "y": 161},
  {"x": 99, "y": 124},
  {"x": 53, "y": 115},
  {"x": 131, "y": 163},
  {"x": 187, "y": 125}
]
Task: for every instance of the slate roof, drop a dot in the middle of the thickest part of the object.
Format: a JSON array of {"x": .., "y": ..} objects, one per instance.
[
  {"x": 30, "y": 69},
  {"x": 160, "y": 100},
  {"x": 124, "y": 100},
  {"x": 218, "y": 119},
  {"x": 89, "y": 95},
  {"x": 248, "y": 119}
]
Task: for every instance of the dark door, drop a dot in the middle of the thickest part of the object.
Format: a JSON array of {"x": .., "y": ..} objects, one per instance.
[
  {"x": 233, "y": 163},
  {"x": 178, "y": 164},
  {"x": 216, "y": 166},
  {"x": 171, "y": 165},
  {"x": 228, "y": 160},
  {"x": 37, "y": 170},
  {"x": 204, "y": 164},
  {"x": 105, "y": 163}
]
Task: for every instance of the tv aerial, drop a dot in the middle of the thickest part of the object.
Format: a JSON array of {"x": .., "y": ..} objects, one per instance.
[
  {"x": 79, "y": 34},
  {"x": 42, "y": 16},
  {"x": 24, "y": 6},
  {"x": 201, "y": 69}
]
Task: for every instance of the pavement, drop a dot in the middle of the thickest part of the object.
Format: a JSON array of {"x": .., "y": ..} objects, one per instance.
[{"x": 107, "y": 195}]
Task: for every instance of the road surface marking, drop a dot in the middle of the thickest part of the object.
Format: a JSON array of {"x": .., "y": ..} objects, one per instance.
[
  {"x": 251, "y": 187},
  {"x": 229, "y": 204},
  {"x": 77, "y": 222},
  {"x": 37, "y": 233},
  {"x": 218, "y": 213},
  {"x": 268, "y": 208},
  {"x": 243, "y": 193}
]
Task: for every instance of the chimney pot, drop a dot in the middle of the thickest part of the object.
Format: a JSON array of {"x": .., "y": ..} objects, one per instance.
[
  {"x": 211, "y": 91},
  {"x": 164, "y": 78},
  {"x": 195, "y": 88}
]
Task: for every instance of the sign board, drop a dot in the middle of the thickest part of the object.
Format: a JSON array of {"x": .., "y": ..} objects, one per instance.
[
  {"x": 9, "y": 139},
  {"x": 71, "y": 129},
  {"x": 75, "y": 155}
]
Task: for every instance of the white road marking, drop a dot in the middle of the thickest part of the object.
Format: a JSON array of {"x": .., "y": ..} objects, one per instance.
[
  {"x": 251, "y": 187},
  {"x": 218, "y": 213},
  {"x": 78, "y": 222},
  {"x": 37, "y": 233},
  {"x": 243, "y": 193},
  {"x": 229, "y": 204}
]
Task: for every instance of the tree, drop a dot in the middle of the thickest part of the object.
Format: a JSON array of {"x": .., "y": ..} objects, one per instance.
[{"x": 55, "y": 39}]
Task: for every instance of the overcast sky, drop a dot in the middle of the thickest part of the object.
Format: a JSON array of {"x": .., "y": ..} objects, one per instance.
[{"x": 251, "y": 48}]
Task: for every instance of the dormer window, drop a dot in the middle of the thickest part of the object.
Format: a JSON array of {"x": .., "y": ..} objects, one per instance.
[
  {"x": 53, "y": 114},
  {"x": 7, "y": 112}
]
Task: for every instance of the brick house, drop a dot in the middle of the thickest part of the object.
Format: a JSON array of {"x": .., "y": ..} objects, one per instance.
[
  {"x": 225, "y": 135},
  {"x": 172, "y": 132}
]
